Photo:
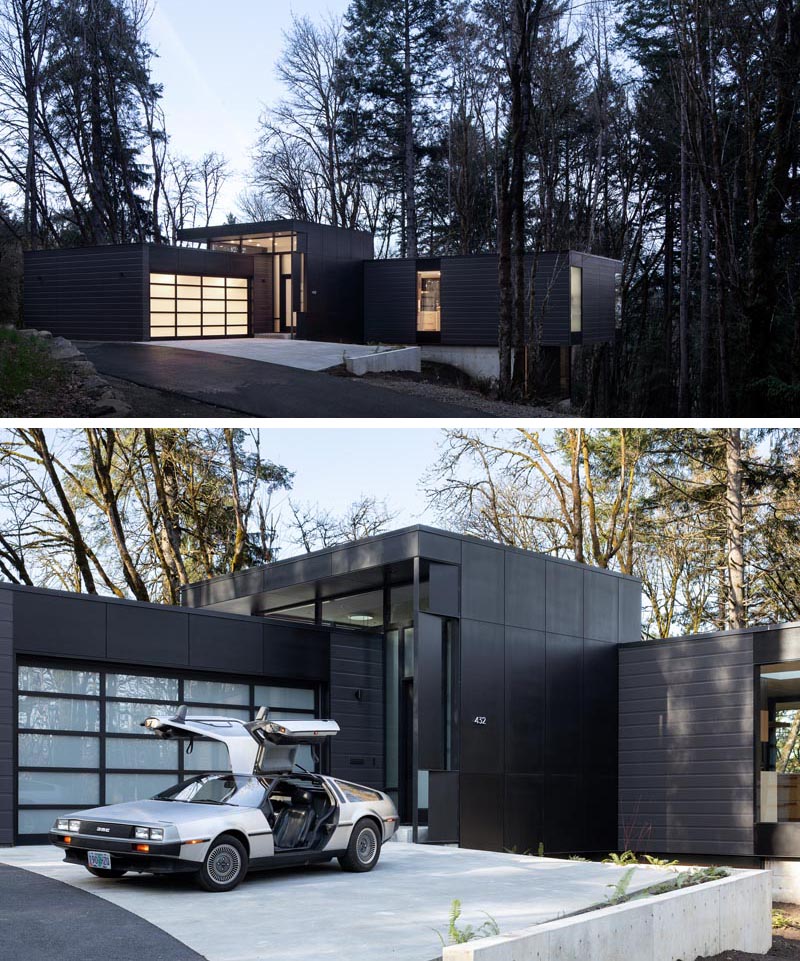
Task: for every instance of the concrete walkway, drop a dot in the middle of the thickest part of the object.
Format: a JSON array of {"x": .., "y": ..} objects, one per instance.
[
  {"x": 321, "y": 913},
  {"x": 261, "y": 389},
  {"x": 300, "y": 354}
]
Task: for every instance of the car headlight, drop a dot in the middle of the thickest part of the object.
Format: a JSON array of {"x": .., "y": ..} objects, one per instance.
[
  {"x": 156, "y": 834},
  {"x": 142, "y": 834},
  {"x": 75, "y": 827},
  {"x": 62, "y": 824}
]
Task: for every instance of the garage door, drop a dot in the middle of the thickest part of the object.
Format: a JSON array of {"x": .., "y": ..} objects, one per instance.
[
  {"x": 80, "y": 743},
  {"x": 186, "y": 306}
]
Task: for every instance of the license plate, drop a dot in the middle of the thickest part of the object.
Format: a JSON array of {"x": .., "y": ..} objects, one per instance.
[{"x": 100, "y": 859}]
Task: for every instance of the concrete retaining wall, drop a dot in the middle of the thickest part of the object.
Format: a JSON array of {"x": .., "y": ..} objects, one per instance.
[
  {"x": 483, "y": 362},
  {"x": 733, "y": 913},
  {"x": 785, "y": 880},
  {"x": 405, "y": 358}
]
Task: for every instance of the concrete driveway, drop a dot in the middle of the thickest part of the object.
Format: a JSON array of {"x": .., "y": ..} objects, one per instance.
[
  {"x": 324, "y": 913},
  {"x": 300, "y": 354}
]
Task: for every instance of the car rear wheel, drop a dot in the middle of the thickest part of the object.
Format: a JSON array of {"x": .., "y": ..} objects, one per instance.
[
  {"x": 364, "y": 848},
  {"x": 101, "y": 873},
  {"x": 224, "y": 866}
]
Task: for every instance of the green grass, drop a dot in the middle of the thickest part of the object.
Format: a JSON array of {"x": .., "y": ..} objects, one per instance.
[{"x": 25, "y": 363}]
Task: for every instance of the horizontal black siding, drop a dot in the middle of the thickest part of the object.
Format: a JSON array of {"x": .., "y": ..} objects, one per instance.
[
  {"x": 188, "y": 260},
  {"x": 357, "y": 752},
  {"x": 87, "y": 293},
  {"x": 390, "y": 301},
  {"x": 599, "y": 297},
  {"x": 686, "y": 755},
  {"x": 470, "y": 300},
  {"x": 263, "y": 303},
  {"x": 7, "y": 725}
]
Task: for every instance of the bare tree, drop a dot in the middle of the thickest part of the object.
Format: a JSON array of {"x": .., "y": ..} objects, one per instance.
[{"x": 313, "y": 527}]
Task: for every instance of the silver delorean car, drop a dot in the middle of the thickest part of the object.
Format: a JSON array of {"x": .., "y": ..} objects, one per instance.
[{"x": 266, "y": 813}]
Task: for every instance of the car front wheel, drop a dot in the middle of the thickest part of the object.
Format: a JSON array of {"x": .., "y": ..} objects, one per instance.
[
  {"x": 101, "y": 873},
  {"x": 364, "y": 848},
  {"x": 224, "y": 866}
]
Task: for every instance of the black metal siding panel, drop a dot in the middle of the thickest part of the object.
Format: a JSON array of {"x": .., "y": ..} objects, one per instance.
[
  {"x": 188, "y": 260},
  {"x": 60, "y": 625},
  {"x": 7, "y": 726},
  {"x": 482, "y": 657},
  {"x": 429, "y": 685},
  {"x": 390, "y": 296},
  {"x": 470, "y": 300},
  {"x": 357, "y": 752},
  {"x": 551, "y": 297},
  {"x": 686, "y": 755},
  {"x": 481, "y": 813},
  {"x": 89, "y": 293},
  {"x": 443, "y": 807},
  {"x": 599, "y": 291},
  {"x": 296, "y": 652}
]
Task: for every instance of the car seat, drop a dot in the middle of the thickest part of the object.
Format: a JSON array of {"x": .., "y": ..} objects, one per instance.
[{"x": 294, "y": 823}]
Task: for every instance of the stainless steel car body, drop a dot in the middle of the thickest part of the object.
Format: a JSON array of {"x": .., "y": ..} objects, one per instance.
[{"x": 262, "y": 755}]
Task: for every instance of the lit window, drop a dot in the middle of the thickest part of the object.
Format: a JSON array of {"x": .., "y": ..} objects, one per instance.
[
  {"x": 194, "y": 306},
  {"x": 429, "y": 303},
  {"x": 575, "y": 300}
]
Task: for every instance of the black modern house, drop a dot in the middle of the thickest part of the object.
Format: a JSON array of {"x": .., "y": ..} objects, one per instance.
[
  {"x": 503, "y": 698},
  {"x": 314, "y": 282}
]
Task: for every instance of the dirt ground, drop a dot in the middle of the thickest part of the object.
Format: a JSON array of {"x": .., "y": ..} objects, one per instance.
[{"x": 785, "y": 940}]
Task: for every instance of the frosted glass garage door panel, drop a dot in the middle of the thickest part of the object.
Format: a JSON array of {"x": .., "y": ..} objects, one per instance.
[
  {"x": 58, "y": 681},
  {"x": 59, "y": 714},
  {"x": 301, "y": 698},
  {"x": 125, "y": 717},
  {"x": 136, "y": 787},
  {"x": 51, "y": 787},
  {"x": 216, "y": 692},
  {"x": 206, "y": 756},
  {"x": 146, "y": 688},
  {"x": 58, "y": 750},
  {"x": 40, "y": 822},
  {"x": 201, "y": 710},
  {"x": 141, "y": 754}
]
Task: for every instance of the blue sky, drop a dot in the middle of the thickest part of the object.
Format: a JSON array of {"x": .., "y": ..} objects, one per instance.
[
  {"x": 217, "y": 64},
  {"x": 334, "y": 466}
]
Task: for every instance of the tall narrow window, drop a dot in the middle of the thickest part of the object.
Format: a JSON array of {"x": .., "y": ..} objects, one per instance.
[
  {"x": 575, "y": 300},
  {"x": 429, "y": 304}
]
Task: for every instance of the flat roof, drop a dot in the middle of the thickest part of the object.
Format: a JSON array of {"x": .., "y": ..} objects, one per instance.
[{"x": 257, "y": 230}]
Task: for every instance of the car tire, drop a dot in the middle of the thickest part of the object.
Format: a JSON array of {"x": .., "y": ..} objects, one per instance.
[
  {"x": 364, "y": 848},
  {"x": 110, "y": 874},
  {"x": 224, "y": 866}
]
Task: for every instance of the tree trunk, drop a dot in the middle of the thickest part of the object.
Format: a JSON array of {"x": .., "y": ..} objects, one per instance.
[
  {"x": 707, "y": 392},
  {"x": 734, "y": 518},
  {"x": 408, "y": 133},
  {"x": 683, "y": 315}
]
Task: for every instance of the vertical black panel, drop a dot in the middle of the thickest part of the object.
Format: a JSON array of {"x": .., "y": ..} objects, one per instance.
[
  {"x": 443, "y": 589},
  {"x": 356, "y": 693},
  {"x": 565, "y": 598},
  {"x": 564, "y": 674},
  {"x": 225, "y": 644},
  {"x": 599, "y": 799},
  {"x": 429, "y": 693},
  {"x": 390, "y": 297},
  {"x": 524, "y": 805},
  {"x": 482, "y": 697},
  {"x": 443, "y": 807},
  {"x": 525, "y": 590},
  {"x": 7, "y": 721},
  {"x": 600, "y": 605},
  {"x": 482, "y": 582},
  {"x": 481, "y": 812},
  {"x": 295, "y": 651},
  {"x": 145, "y": 633},
  {"x": 630, "y": 609},
  {"x": 600, "y": 712},
  {"x": 563, "y": 814},
  {"x": 525, "y": 701},
  {"x": 263, "y": 302}
]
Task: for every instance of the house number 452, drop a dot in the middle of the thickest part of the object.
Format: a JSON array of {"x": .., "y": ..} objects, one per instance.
[{"x": 479, "y": 720}]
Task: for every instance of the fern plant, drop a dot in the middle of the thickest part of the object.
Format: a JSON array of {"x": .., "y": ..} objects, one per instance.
[
  {"x": 620, "y": 888},
  {"x": 660, "y": 862},
  {"x": 621, "y": 860},
  {"x": 459, "y": 934}
]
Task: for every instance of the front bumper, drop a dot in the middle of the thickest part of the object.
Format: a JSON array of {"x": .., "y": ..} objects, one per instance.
[{"x": 162, "y": 858}]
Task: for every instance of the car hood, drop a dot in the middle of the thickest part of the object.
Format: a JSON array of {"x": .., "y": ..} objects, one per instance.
[{"x": 151, "y": 812}]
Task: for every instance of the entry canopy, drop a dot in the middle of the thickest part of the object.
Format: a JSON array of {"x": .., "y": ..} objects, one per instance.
[{"x": 263, "y": 746}]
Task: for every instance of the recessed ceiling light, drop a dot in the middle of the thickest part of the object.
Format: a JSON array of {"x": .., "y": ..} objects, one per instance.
[{"x": 360, "y": 618}]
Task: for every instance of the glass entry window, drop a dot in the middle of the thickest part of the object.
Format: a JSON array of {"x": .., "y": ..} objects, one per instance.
[
  {"x": 80, "y": 743},
  {"x": 188, "y": 306},
  {"x": 780, "y": 743},
  {"x": 576, "y": 300},
  {"x": 429, "y": 301}
]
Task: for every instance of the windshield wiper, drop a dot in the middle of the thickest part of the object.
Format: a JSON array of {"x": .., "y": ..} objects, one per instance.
[{"x": 208, "y": 801}]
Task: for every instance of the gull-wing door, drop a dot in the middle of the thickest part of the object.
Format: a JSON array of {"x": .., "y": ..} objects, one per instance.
[
  {"x": 243, "y": 748},
  {"x": 279, "y": 740}
]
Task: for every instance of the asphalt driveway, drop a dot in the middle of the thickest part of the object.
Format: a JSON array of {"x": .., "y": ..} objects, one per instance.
[
  {"x": 261, "y": 389},
  {"x": 323, "y": 913}
]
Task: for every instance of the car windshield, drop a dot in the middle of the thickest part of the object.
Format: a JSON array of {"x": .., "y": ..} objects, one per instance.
[{"x": 233, "y": 789}]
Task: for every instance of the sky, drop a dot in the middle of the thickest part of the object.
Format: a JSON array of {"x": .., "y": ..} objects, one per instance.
[
  {"x": 335, "y": 466},
  {"x": 216, "y": 61}
]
